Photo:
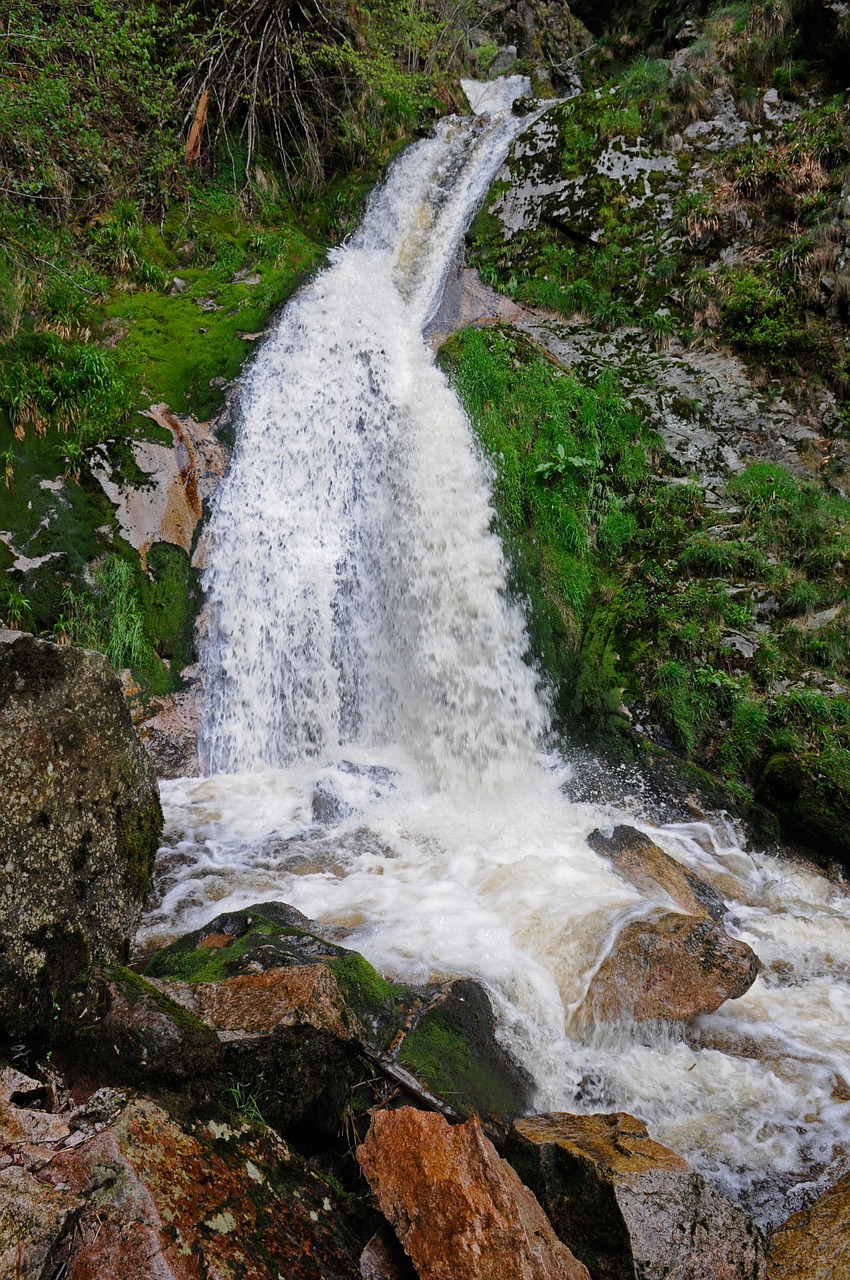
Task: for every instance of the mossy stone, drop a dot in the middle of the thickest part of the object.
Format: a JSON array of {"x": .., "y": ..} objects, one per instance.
[{"x": 812, "y": 803}]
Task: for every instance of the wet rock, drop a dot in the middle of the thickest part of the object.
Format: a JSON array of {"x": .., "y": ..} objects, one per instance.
[
  {"x": 652, "y": 871},
  {"x": 170, "y": 733},
  {"x": 628, "y": 1206},
  {"x": 327, "y": 808},
  {"x": 466, "y": 300},
  {"x": 456, "y": 1206},
  {"x": 213, "y": 1200},
  {"x": 669, "y": 966},
  {"x": 450, "y": 1043},
  {"x": 80, "y": 821},
  {"x": 266, "y": 972},
  {"x": 812, "y": 806},
  {"x": 815, "y": 1243}
]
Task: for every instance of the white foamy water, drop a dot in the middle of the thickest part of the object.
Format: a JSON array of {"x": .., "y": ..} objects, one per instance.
[{"x": 372, "y": 732}]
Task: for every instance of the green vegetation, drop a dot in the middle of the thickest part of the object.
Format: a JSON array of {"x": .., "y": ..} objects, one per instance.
[
  {"x": 645, "y": 243},
  {"x": 731, "y": 637},
  {"x": 186, "y": 961},
  {"x": 138, "y": 264}
]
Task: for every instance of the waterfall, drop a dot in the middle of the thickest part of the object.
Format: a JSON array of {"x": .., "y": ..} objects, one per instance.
[
  {"x": 372, "y": 730},
  {"x": 356, "y": 591}
]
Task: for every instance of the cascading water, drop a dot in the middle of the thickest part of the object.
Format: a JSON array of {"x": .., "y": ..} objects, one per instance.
[
  {"x": 355, "y": 589},
  {"x": 372, "y": 729}
]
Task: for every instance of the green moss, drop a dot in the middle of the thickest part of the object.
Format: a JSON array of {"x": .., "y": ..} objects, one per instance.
[
  {"x": 177, "y": 343},
  {"x": 139, "y": 831},
  {"x": 811, "y": 795},
  {"x": 375, "y": 1001},
  {"x": 438, "y": 1053},
  {"x": 187, "y": 962},
  {"x": 170, "y": 598},
  {"x": 135, "y": 989}
]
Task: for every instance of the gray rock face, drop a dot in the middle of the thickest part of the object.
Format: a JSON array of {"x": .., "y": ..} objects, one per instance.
[{"x": 80, "y": 821}]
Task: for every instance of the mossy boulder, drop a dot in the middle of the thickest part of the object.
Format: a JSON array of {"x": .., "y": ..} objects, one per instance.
[
  {"x": 812, "y": 802},
  {"x": 80, "y": 822},
  {"x": 287, "y": 1003}
]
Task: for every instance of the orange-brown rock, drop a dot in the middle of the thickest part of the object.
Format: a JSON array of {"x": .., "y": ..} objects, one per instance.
[
  {"x": 815, "y": 1243},
  {"x": 459, "y": 1209},
  {"x": 654, "y": 873},
  {"x": 669, "y": 966},
  {"x": 628, "y": 1206},
  {"x": 260, "y": 1003},
  {"x": 166, "y": 1203}
]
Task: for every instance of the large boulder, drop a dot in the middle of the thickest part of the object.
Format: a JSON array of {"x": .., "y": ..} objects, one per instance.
[
  {"x": 628, "y": 1206},
  {"x": 274, "y": 991},
  {"x": 80, "y": 822},
  {"x": 456, "y": 1206},
  {"x": 814, "y": 1244},
  {"x": 669, "y": 966}
]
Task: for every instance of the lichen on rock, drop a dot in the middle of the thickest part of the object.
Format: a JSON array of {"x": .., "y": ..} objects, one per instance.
[{"x": 80, "y": 821}]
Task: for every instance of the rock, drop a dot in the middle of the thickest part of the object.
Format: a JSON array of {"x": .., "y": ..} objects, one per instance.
[
  {"x": 815, "y": 1243},
  {"x": 812, "y": 806},
  {"x": 204, "y": 1040},
  {"x": 171, "y": 733},
  {"x": 181, "y": 476},
  {"x": 465, "y": 301},
  {"x": 175, "y": 1203},
  {"x": 669, "y": 966},
  {"x": 33, "y": 1215},
  {"x": 384, "y": 1259},
  {"x": 451, "y": 1044},
  {"x": 262, "y": 1003},
  {"x": 328, "y": 809},
  {"x": 628, "y": 1206},
  {"x": 80, "y": 821},
  {"x": 456, "y": 1206},
  {"x": 640, "y": 861},
  {"x": 126, "y": 1030},
  {"x": 266, "y": 971}
]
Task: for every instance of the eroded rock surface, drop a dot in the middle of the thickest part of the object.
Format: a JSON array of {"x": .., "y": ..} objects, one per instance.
[
  {"x": 180, "y": 478},
  {"x": 456, "y": 1206},
  {"x": 669, "y": 966},
  {"x": 628, "y": 1206},
  {"x": 80, "y": 822}
]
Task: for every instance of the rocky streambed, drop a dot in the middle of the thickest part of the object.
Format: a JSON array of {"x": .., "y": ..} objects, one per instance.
[{"x": 255, "y": 1099}]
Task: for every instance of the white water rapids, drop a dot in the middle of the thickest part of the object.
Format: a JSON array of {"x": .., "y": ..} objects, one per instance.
[{"x": 372, "y": 731}]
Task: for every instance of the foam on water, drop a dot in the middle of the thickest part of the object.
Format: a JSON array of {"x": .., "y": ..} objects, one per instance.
[{"x": 372, "y": 731}]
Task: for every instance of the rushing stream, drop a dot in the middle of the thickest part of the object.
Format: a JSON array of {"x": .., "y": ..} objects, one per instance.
[{"x": 373, "y": 735}]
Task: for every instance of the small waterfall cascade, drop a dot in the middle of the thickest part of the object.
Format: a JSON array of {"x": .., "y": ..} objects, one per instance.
[
  {"x": 372, "y": 734},
  {"x": 356, "y": 592}
]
